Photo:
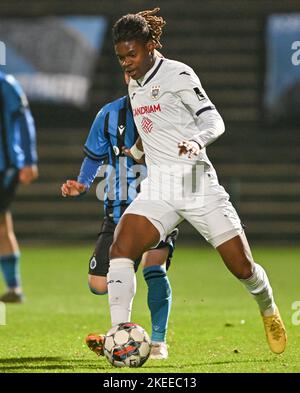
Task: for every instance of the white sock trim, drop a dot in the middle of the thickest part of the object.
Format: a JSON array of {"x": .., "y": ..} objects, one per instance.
[
  {"x": 120, "y": 263},
  {"x": 259, "y": 286}
]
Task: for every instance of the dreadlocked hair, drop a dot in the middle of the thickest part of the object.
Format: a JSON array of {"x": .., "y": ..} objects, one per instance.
[{"x": 144, "y": 25}]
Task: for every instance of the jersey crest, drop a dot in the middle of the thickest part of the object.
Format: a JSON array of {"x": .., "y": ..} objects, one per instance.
[
  {"x": 155, "y": 92},
  {"x": 116, "y": 150}
]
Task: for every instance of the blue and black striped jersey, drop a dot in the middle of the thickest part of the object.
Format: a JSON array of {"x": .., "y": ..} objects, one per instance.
[
  {"x": 17, "y": 130},
  {"x": 112, "y": 129}
]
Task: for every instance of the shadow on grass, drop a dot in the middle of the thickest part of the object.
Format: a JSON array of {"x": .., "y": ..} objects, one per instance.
[
  {"x": 60, "y": 363},
  {"x": 51, "y": 363},
  {"x": 215, "y": 363}
]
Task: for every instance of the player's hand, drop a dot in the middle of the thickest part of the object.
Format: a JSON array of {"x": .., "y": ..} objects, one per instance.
[
  {"x": 191, "y": 148},
  {"x": 28, "y": 174},
  {"x": 126, "y": 151},
  {"x": 72, "y": 188}
]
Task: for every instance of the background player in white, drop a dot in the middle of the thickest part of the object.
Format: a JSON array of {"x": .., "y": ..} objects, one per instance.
[{"x": 176, "y": 121}]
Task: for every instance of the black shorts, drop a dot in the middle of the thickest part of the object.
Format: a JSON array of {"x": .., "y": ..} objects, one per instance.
[
  {"x": 99, "y": 261},
  {"x": 9, "y": 180}
]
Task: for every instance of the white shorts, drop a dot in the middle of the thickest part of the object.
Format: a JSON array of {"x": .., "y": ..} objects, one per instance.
[{"x": 211, "y": 212}]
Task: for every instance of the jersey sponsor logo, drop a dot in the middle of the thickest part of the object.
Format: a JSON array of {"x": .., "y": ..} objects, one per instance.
[
  {"x": 143, "y": 110},
  {"x": 121, "y": 129},
  {"x": 199, "y": 94},
  {"x": 147, "y": 125},
  {"x": 155, "y": 92},
  {"x": 116, "y": 150}
]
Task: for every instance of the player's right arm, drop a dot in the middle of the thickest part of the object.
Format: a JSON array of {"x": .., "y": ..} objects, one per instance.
[
  {"x": 96, "y": 150},
  {"x": 72, "y": 188}
]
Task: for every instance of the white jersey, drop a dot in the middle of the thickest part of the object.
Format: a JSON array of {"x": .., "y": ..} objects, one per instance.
[{"x": 169, "y": 105}]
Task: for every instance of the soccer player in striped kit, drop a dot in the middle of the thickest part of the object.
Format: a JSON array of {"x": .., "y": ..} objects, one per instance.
[
  {"x": 18, "y": 163},
  {"x": 113, "y": 130},
  {"x": 176, "y": 121}
]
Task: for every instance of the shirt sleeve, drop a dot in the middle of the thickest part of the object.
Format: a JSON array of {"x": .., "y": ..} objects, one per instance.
[
  {"x": 23, "y": 123},
  {"x": 26, "y": 125},
  {"x": 88, "y": 171},
  {"x": 191, "y": 92},
  {"x": 210, "y": 125},
  {"x": 208, "y": 120},
  {"x": 97, "y": 144}
]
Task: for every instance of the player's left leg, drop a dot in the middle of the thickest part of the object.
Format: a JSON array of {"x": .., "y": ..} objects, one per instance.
[
  {"x": 159, "y": 298},
  {"x": 219, "y": 223},
  {"x": 237, "y": 256}
]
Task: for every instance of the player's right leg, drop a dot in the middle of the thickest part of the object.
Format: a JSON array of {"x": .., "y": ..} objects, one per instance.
[
  {"x": 99, "y": 261},
  {"x": 133, "y": 236},
  {"x": 142, "y": 226},
  {"x": 98, "y": 269},
  {"x": 9, "y": 248}
]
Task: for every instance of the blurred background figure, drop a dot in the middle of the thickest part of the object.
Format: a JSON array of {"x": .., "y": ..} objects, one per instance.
[{"x": 18, "y": 160}]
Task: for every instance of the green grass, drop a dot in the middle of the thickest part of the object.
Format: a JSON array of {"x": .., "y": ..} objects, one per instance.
[{"x": 214, "y": 324}]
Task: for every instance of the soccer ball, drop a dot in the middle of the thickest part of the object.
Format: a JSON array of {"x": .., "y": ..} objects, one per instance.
[{"x": 127, "y": 345}]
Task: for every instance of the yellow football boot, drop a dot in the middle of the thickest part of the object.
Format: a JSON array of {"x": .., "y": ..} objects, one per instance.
[{"x": 275, "y": 332}]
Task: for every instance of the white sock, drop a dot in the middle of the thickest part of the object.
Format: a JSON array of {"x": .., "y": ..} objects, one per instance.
[
  {"x": 259, "y": 286},
  {"x": 121, "y": 284}
]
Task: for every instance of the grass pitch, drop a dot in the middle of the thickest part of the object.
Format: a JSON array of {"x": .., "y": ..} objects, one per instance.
[{"x": 214, "y": 325}]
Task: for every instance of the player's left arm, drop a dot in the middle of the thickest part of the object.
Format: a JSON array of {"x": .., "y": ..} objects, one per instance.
[{"x": 208, "y": 120}]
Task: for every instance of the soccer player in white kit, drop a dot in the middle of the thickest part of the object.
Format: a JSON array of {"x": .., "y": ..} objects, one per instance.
[{"x": 176, "y": 121}]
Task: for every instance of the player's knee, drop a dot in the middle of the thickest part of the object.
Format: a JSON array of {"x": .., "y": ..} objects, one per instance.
[
  {"x": 245, "y": 270},
  {"x": 116, "y": 251},
  {"x": 97, "y": 285}
]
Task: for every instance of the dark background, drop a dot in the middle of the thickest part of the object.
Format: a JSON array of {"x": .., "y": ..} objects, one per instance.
[{"x": 224, "y": 41}]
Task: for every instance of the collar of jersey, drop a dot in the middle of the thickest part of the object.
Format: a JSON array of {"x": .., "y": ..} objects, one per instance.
[{"x": 150, "y": 74}]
